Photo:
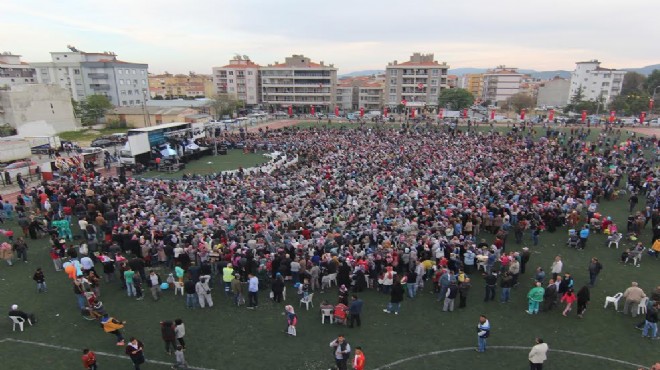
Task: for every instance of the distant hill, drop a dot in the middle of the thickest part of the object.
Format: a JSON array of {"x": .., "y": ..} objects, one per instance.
[
  {"x": 644, "y": 70},
  {"x": 368, "y": 72}
]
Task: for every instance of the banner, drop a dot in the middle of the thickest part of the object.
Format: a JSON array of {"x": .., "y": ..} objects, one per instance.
[
  {"x": 584, "y": 116},
  {"x": 361, "y": 112},
  {"x": 551, "y": 115},
  {"x": 441, "y": 113},
  {"x": 522, "y": 114},
  {"x": 337, "y": 111},
  {"x": 290, "y": 110},
  {"x": 313, "y": 110},
  {"x": 492, "y": 114},
  {"x": 413, "y": 113},
  {"x": 385, "y": 112},
  {"x": 612, "y": 116},
  {"x": 465, "y": 113},
  {"x": 404, "y": 102},
  {"x": 651, "y": 101},
  {"x": 642, "y": 117}
]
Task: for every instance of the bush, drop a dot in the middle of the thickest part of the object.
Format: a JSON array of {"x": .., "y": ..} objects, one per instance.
[{"x": 115, "y": 123}]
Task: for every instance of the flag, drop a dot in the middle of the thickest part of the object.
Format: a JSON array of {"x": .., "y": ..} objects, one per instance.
[
  {"x": 551, "y": 115},
  {"x": 420, "y": 86},
  {"x": 584, "y": 116},
  {"x": 385, "y": 112},
  {"x": 404, "y": 102},
  {"x": 361, "y": 112},
  {"x": 522, "y": 114},
  {"x": 441, "y": 113},
  {"x": 492, "y": 114},
  {"x": 336, "y": 111},
  {"x": 413, "y": 113},
  {"x": 651, "y": 101},
  {"x": 465, "y": 112},
  {"x": 313, "y": 110},
  {"x": 290, "y": 110},
  {"x": 642, "y": 116},
  {"x": 612, "y": 116}
]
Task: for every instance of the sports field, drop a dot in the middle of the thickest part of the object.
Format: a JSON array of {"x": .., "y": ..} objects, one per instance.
[{"x": 421, "y": 337}]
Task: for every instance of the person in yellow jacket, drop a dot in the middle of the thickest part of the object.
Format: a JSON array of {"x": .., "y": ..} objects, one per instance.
[
  {"x": 113, "y": 326},
  {"x": 227, "y": 277}
]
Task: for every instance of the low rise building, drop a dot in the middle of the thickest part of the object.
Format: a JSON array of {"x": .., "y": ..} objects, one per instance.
[
  {"x": 136, "y": 117},
  {"x": 13, "y": 71},
  {"x": 171, "y": 86}
]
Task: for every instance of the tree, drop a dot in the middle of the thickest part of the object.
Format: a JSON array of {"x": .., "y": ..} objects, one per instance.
[
  {"x": 578, "y": 96},
  {"x": 652, "y": 81},
  {"x": 225, "y": 104},
  {"x": 91, "y": 109},
  {"x": 633, "y": 82},
  {"x": 631, "y": 104},
  {"x": 521, "y": 101},
  {"x": 455, "y": 99}
]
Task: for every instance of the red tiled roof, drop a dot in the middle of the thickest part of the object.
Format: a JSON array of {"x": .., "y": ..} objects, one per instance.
[
  {"x": 308, "y": 65},
  {"x": 410, "y": 63},
  {"x": 248, "y": 65}
]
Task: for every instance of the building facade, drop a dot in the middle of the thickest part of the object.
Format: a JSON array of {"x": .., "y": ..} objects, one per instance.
[
  {"x": 553, "y": 93},
  {"x": 299, "y": 83},
  {"x": 418, "y": 81},
  {"x": 500, "y": 84},
  {"x": 474, "y": 83},
  {"x": 596, "y": 82},
  {"x": 15, "y": 72},
  {"x": 136, "y": 117},
  {"x": 240, "y": 78},
  {"x": 37, "y": 104},
  {"x": 370, "y": 95},
  {"x": 344, "y": 98},
  {"x": 171, "y": 86},
  {"x": 85, "y": 74}
]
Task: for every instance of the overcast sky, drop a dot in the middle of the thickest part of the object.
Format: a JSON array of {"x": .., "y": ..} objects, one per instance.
[{"x": 181, "y": 36}]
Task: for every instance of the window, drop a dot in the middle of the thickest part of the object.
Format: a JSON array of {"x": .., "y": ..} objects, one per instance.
[
  {"x": 130, "y": 92},
  {"x": 434, "y": 90},
  {"x": 76, "y": 71},
  {"x": 119, "y": 71},
  {"x": 144, "y": 82},
  {"x": 393, "y": 72},
  {"x": 127, "y": 71},
  {"x": 434, "y": 82},
  {"x": 131, "y": 102},
  {"x": 231, "y": 89},
  {"x": 134, "y": 72},
  {"x": 122, "y": 92},
  {"x": 231, "y": 81},
  {"x": 392, "y": 91},
  {"x": 121, "y": 82},
  {"x": 231, "y": 73},
  {"x": 123, "y": 102},
  {"x": 128, "y": 82},
  {"x": 392, "y": 81},
  {"x": 434, "y": 72},
  {"x": 392, "y": 98},
  {"x": 142, "y": 72},
  {"x": 249, "y": 73},
  {"x": 137, "y": 102},
  {"x": 137, "y": 92},
  {"x": 606, "y": 84}
]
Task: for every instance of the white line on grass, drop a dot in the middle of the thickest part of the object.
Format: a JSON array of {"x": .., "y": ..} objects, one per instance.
[
  {"x": 434, "y": 353},
  {"x": 62, "y": 348}
]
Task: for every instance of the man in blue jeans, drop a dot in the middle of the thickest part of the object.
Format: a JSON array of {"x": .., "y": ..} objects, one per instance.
[
  {"x": 253, "y": 289},
  {"x": 483, "y": 332},
  {"x": 651, "y": 322}
]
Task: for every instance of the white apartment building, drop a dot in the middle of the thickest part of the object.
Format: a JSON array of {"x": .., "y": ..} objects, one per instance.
[
  {"x": 345, "y": 96},
  {"x": 299, "y": 83},
  {"x": 419, "y": 81},
  {"x": 501, "y": 83},
  {"x": 370, "y": 95},
  {"x": 15, "y": 72},
  {"x": 85, "y": 74},
  {"x": 240, "y": 78},
  {"x": 596, "y": 81}
]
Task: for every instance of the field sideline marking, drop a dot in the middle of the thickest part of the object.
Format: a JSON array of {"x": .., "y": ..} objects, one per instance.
[
  {"x": 98, "y": 353},
  {"x": 387, "y": 366}
]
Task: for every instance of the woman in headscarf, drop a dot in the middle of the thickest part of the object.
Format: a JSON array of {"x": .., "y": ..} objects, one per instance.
[{"x": 291, "y": 320}]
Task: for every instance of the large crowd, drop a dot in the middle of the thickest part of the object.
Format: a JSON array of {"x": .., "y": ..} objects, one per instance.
[{"x": 364, "y": 208}]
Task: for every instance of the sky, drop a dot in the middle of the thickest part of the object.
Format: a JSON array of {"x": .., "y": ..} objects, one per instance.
[{"x": 182, "y": 36}]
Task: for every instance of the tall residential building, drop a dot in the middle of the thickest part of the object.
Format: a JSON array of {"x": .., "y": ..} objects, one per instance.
[
  {"x": 85, "y": 74},
  {"x": 370, "y": 95},
  {"x": 365, "y": 92},
  {"x": 240, "y": 78},
  {"x": 299, "y": 83},
  {"x": 553, "y": 93},
  {"x": 596, "y": 81},
  {"x": 344, "y": 98},
  {"x": 418, "y": 81},
  {"x": 14, "y": 72},
  {"x": 474, "y": 83},
  {"x": 170, "y": 86},
  {"x": 501, "y": 83}
]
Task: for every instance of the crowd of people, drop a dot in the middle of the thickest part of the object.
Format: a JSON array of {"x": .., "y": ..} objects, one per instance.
[{"x": 386, "y": 209}]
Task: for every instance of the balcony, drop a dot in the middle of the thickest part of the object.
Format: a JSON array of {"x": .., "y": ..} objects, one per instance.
[
  {"x": 98, "y": 76},
  {"x": 99, "y": 87}
]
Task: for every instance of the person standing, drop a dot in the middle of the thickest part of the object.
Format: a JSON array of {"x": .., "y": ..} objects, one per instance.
[
  {"x": 538, "y": 355},
  {"x": 128, "y": 278},
  {"x": 342, "y": 351},
  {"x": 396, "y": 297},
  {"x": 568, "y": 297},
  {"x": 535, "y": 297},
  {"x": 491, "y": 283},
  {"x": 237, "y": 290},
  {"x": 584, "y": 236},
  {"x": 483, "y": 332},
  {"x": 583, "y": 297},
  {"x": 595, "y": 267},
  {"x": 40, "y": 279},
  {"x": 227, "y": 277},
  {"x": 180, "y": 332},
  {"x": 355, "y": 310},
  {"x": 89, "y": 359},
  {"x": 204, "y": 292},
  {"x": 168, "y": 334},
  {"x": 359, "y": 360},
  {"x": 450, "y": 297},
  {"x": 506, "y": 282},
  {"x": 135, "y": 350},
  {"x": 189, "y": 289},
  {"x": 154, "y": 281},
  {"x": 180, "y": 359},
  {"x": 556, "y": 267},
  {"x": 463, "y": 292},
  {"x": 253, "y": 290},
  {"x": 550, "y": 296},
  {"x": 651, "y": 322}
]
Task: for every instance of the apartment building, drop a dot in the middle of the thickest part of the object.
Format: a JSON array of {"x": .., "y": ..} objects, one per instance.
[
  {"x": 15, "y": 72},
  {"x": 344, "y": 96},
  {"x": 370, "y": 95},
  {"x": 474, "y": 83},
  {"x": 240, "y": 78},
  {"x": 85, "y": 74},
  {"x": 596, "y": 81},
  {"x": 170, "y": 86},
  {"x": 419, "y": 81},
  {"x": 299, "y": 83},
  {"x": 501, "y": 83}
]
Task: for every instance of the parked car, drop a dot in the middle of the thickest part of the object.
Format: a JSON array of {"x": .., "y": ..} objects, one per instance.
[
  {"x": 20, "y": 164},
  {"x": 103, "y": 143},
  {"x": 91, "y": 150}
]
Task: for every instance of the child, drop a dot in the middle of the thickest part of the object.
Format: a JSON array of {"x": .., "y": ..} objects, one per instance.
[
  {"x": 89, "y": 359},
  {"x": 41, "y": 281},
  {"x": 291, "y": 320},
  {"x": 180, "y": 359},
  {"x": 624, "y": 255},
  {"x": 569, "y": 298},
  {"x": 180, "y": 331}
]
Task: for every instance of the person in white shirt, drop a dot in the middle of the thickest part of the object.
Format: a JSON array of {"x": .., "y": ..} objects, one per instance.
[
  {"x": 538, "y": 355},
  {"x": 342, "y": 352},
  {"x": 556, "y": 267},
  {"x": 204, "y": 291},
  {"x": 253, "y": 289}
]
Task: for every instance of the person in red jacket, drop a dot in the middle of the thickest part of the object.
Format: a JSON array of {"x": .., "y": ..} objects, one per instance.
[
  {"x": 359, "y": 359},
  {"x": 89, "y": 359}
]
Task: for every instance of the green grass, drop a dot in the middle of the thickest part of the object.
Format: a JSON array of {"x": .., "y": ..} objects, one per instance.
[
  {"x": 228, "y": 337},
  {"x": 234, "y": 159},
  {"x": 89, "y": 134}
]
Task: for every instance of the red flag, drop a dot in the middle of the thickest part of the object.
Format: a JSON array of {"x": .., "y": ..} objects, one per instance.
[
  {"x": 465, "y": 112},
  {"x": 290, "y": 110},
  {"x": 441, "y": 113},
  {"x": 551, "y": 115},
  {"x": 385, "y": 112},
  {"x": 612, "y": 116},
  {"x": 404, "y": 102},
  {"x": 651, "y": 101},
  {"x": 642, "y": 116},
  {"x": 336, "y": 111},
  {"x": 584, "y": 116},
  {"x": 522, "y": 114},
  {"x": 420, "y": 86},
  {"x": 492, "y": 114},
  {"x": 361, "y": 112},
  {"x": 313, "y": 110},
  {"x": 413, "y": 113}
]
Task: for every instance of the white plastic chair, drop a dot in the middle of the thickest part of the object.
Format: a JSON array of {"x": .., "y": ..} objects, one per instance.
[
  {"x": 178, "y": 288},
  {"x": 307, "y": 301},
  {"x": 326, "y": 281},
  {"x": 333, "y": 278},
  {"x": 284, "y": 294},
  {"x": 614, "y": 239},
  {"x": 641, "y": 308},
  {"x": 615, "y": 299},
  {"x": 327, "y": 312},
  {"x": 17, "y": 320}
]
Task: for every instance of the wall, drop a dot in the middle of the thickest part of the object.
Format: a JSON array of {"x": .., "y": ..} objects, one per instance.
[{"x": 37, "y": 102}]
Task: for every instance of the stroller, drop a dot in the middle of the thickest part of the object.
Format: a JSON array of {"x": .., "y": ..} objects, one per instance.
[{"x": 573, "y": 239}]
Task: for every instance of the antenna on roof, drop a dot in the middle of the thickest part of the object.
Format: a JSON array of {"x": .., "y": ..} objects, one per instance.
[
  {"x": 72, "y": 48},
  {"x": 238, "y": 56},
  {"x": 246, "y": 57}
]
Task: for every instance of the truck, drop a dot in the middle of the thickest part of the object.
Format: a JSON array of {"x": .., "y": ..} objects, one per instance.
[
  {"x": 136, "y": 150},
  {"x": 41, "y": 144},
  {"x": 140, "y": 141},
  {"x": 14, "y": 149}
]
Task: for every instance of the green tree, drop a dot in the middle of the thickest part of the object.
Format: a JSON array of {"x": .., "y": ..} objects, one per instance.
[
  {"x": 633, "y": 82},
  {"x": 653, "y": 81},
  {"x": 632, "y": 104},
  {"x": 578, "y": 96},
  {"x": 91, "y": 109},
  {"x": 455, "y": 99},
  {"x": 225, "y": 104},
  {"x": 520, "y": 101}
]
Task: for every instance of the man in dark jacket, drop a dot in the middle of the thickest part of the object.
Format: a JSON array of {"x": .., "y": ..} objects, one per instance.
[
  {"x": 550, "y": 296},
  {"x": 463, "y": 292},
  {"x": 491, "y": 283},
  {"x": 452, "y": 293},
  {"x": 595, "y": 268},
  {"x": 168, "y": 335},
  {"x": 355, "y": 310}
]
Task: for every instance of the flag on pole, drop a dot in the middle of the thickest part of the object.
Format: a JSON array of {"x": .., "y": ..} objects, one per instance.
[
  {"x": 651, "y": 101},
  {"x": 404, "y": 102},
  {"x": 336, "y": 111},
  {"x": 313, "y": 110},
  {"x": 612, "y": 116},
  {"x": 361, "y": 112},
  {"x": 551, "y": 115},
  {"x": 465, "y": 113},
  {"x": 441, "y": 113},
  {"x": 642, "y": 117},
  {"x": 290, "y": 110},
  {"x": 492, "y": 114},
  {"x": 385, "y": 112},
  {"x": 522, "y": 114},
  {"x": 584, "y": 116}
]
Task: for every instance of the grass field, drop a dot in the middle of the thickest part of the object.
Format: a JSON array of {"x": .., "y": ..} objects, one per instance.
[{"x": 227, "y": 337}]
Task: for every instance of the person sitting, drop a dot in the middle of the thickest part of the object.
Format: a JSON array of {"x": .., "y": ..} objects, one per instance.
[
  {"x": 29, "y": 317},
  {"x": 341, "y": 314}
]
